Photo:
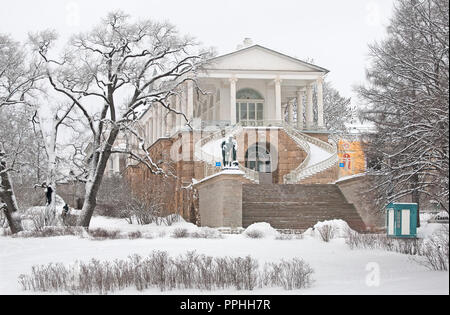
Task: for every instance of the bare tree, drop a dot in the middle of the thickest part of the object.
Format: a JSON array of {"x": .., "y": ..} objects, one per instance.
[
  {"x": 112, "y": 73},
  {"x": 407, "y": 100},
  {"x": 17, "y": 79}
]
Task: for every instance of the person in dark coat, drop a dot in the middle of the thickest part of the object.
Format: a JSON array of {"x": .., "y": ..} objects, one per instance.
[
  {"x": 65, "y": 210},
  {"x": 48, "y": 193}
]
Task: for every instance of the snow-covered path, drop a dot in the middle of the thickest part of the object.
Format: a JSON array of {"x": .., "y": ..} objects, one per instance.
[{"x": 338, "y": 270}]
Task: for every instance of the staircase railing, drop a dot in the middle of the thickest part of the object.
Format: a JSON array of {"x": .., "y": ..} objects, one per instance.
[
  {"x": 303, "y": 172},
  {"x": 300, "y": 173},
  {"x": 297, "y": 137}
]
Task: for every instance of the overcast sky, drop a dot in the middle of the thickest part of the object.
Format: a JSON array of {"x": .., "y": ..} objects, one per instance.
[{"x": 334, "y": 33}]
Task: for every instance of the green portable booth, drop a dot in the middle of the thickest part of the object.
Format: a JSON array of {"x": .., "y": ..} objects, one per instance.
[{"x": 401, "y": 220}]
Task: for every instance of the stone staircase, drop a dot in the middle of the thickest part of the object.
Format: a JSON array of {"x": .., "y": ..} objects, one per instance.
[{"x": 297, "y": 207}]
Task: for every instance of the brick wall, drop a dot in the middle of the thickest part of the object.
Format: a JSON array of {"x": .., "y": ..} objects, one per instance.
[
  {"x": 288, "y": 154},
  {"x": 326, "y": 177},
  {"x": 169, "y": 191}
]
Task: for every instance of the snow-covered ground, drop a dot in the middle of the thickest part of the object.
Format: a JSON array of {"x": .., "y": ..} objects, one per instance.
[{"x": 338, "y": 270}]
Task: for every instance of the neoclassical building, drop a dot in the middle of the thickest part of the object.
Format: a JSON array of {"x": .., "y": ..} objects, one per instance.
[{"x": 272, "y": 105}]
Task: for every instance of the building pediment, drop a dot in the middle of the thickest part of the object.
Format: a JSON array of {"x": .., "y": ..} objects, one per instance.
[{"x": 259, "y": 58}]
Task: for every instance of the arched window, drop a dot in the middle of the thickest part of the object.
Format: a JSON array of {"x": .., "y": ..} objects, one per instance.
[
  {"x": 249, "y": 107},
  {"x": 249, "y": 94}
]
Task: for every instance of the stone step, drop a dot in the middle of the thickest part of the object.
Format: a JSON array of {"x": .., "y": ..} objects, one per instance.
[{"x": 297, "y": 206}]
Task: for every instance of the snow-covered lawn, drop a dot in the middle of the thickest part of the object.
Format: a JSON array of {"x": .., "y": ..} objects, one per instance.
[{"x": 338, "y": 270}]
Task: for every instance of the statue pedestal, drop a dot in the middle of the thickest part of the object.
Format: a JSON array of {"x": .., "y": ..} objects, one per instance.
[{"x": 220, "y": 199}]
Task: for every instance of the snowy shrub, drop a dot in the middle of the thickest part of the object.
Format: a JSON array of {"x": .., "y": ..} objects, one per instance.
[
  {"x": 326, "y": 232},
  {"x": 284, "y": 237},
  {"x": 134, "y": 235},
  {"x": 142, "y": 212},
  {"x": 44, "y": 217},
  {"x": 51, "y": 277},
  {"x": 207, "y": 233},
  {"x": 5, "y": 232},
  {"x": 436, "y": 250},
  {"x": 291, "y": 235},
  {"x": 70, "y": 220},
  {"x": 356, "y": 240},
  {"x": 171, "y": 219},
  {"x": 159, "y": 270},
  {"x": 102, "y": 234},
  {"x": 180, "y": 233},
  {"x": 291, "y": 275},
  {"x": 260, "y": 230},
  {"x": 254, "y": 234},
  {"x": 51, "y": 231}
]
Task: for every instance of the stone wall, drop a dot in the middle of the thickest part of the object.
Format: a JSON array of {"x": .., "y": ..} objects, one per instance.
[
  {"x": 173, "y": 192},
  {"x": 356, "y": 191},
  {"x": 221, "y": 200},
  {"x": 326, "y": 177}
]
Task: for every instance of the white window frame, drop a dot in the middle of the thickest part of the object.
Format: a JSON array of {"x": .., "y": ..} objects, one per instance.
[{"x": 248, "y": 121}]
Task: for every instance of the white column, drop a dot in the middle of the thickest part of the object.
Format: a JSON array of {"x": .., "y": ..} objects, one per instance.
[
  {"x": 200, "y": 108},
  {"x": 290, "y": 112},
  {"x": 215, "y": 112},
  {"x": 165, "y": 114},
  {"x": 170, "y": 116},
  {"x": 233, "y": 101},
  {"x": 154, "y": 123},
  {"x": 278, "y": 100},
  {"x": 320, "y": 120},
  {"x": 178, "y": 108},
  {"x": 159, "y": 120},
  {"x": 149, "y": 131},
  {"x": 190, "y": 101},
  {"x": 183, "y": 105},
  {"x": 309, "y": 107},
  {"x": 300, "y": 109}
]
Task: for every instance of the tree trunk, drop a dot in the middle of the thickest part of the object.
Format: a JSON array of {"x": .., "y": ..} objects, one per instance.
[
  {"x": 95, "y": 180},
  {"x": 9, "y": 198}
]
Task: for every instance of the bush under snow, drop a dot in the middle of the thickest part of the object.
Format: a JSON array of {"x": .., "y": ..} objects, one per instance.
[
  {"x": 328, "y": 230},
  {"x": 261, "y": 230},
  {"x": 159, "y": 270}
]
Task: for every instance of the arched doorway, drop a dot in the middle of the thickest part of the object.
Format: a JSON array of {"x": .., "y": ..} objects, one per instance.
[
  {"x": 258, "y": 158},
  {"x": 249, "y": 107}
]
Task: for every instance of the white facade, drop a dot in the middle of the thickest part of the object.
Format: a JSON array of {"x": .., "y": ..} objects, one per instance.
[{"x": 254, "y": 86}]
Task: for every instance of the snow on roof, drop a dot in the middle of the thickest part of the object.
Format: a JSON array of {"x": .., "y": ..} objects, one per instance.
[{"x": 275, "y": 53}]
